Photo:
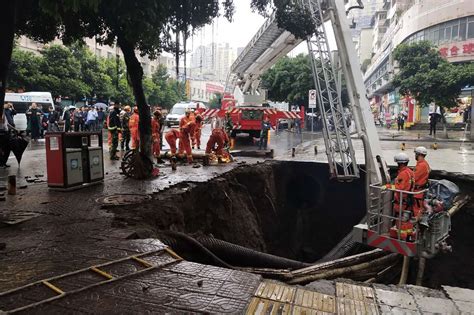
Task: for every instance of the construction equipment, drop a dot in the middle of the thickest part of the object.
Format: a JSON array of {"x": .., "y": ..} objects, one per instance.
[{"x": 266, "y": 47}]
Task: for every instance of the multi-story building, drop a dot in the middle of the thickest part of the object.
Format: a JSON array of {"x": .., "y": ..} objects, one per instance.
[
  {"x": 105, "y": 51},
  {"x": 212, "y": 62},
  {"x": 448, "y": 24},
  {"x": 362, "y": 20}
]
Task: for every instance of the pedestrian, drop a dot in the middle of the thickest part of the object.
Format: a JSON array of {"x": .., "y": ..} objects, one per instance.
[
  {"x": 77, "y": 117},
  {"x": 125, "y": 120},
  {"x": 53, "y": 119},
  {"x": 85, "y": 113},
  {"x": 34, "y": 121},
  {"x": 265, "y": 128},
  {"x": 466, "y": 115},
  {"x": 4, "y": 141},
  {"x": 155, "y": 135},
  {"x": 402, "y": 202},
  {"x": 133, "y": 125},
  {"x": 10, "y": 112},
  {"x": 91, "y": 119},
  {"x": 400, "y": 121},
  {"x": 433, "y": 122},
  {"x": 186, "y": 129},
  {"x": 197, "y": 132},
  {"x": 66, "y": 118},
  {"x": 100, "y": 118},
  {"x": 229, "y": 129},
  {"x": 422, "y": 173},
  {"x": 114, "y": 127},
  {"x": 298, "y": 125}
]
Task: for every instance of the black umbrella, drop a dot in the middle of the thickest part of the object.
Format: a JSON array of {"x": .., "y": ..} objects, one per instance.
[{"x": 18, "y": 145}]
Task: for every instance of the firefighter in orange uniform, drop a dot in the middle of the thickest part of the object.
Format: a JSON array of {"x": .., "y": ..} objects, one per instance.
[
  {"x": 133, "y": 125},
  {"x": 155, "y": 134},
  {"x": 218, "y": 137},
  {"x": 405, "y": 181},
  {"x": 186, "y": 128},
  {"x": 171, "y": 137},
  {"x": 422, "y": 173},
  {"x": 197, "y": 132}
]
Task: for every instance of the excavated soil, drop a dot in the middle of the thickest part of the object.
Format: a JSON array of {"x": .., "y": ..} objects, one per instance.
[{"x": 289, "y": 209}]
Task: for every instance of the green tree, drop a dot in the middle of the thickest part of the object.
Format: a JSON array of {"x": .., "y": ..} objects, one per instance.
[
  {"x": 290, "y": 79},
  {"x": 60, "y": 73},
  {"x": 428, "y": 77},
  {"x": 93, "y": 71},
  {"x": 24, "y": 70}
]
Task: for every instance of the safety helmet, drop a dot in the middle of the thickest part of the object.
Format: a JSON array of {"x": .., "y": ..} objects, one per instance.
[
  {"x": 401, "y": 158},
  {"x": 421, "y": 150},
  {"x": 187, "y": 111},
  {"x": 135, "y": 109},
  {"x": 127, "y": 108}
]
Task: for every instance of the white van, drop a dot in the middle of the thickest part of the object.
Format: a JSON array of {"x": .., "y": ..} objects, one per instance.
[
  {"x": 22, "y": 102},
  {"x": 178, "y": 111}
]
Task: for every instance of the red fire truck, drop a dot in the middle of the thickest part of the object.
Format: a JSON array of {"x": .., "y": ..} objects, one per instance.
[{"x": 248, "y": 118}]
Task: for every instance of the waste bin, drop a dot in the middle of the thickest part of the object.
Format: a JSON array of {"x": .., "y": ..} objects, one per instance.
[{"x": 74, "y": 160}]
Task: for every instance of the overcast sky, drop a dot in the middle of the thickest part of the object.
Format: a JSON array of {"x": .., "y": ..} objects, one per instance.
[{"x": 237, "y": 33}]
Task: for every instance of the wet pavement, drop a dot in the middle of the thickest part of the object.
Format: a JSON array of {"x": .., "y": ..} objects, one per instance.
[{"x": 65, "y": 232}]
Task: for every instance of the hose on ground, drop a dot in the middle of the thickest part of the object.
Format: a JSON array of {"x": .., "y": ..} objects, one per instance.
[
  {"x": 217, "y": 250},
  {"x": 245, "y": 257},
  {"x": 175, "y": 240}
]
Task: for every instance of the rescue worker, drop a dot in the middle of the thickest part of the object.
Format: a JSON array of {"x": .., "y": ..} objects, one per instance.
[
  {"x": 155, "y": 134},
  {"x": 265, "y": 129},
  {"x": 218, "y": 138},
  {"x": 422, "y": 173},
  {"x": 197, "y": 132},
  {"x": 229, "y": 128},
  {"x": 404, "y": 181},
  {"x": 171, "y": 137},
  {"x": 133, "y": 125},
  {"x": 186, "y": 129},
  {"x": 125, "y": 119},
  {"x": 114, "y": 128}
]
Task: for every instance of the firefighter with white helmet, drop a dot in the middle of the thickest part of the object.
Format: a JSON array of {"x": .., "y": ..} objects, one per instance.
[
  {"x": 404, "y": 182},
  {"x": 422, "y": 173}
]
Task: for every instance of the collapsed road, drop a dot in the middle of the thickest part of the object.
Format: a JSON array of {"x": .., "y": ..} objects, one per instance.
[{"x": 275, "y": 217}]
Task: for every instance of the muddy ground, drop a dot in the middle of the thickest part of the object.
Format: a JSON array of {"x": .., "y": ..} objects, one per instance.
[{"x": 289, "y": 209}]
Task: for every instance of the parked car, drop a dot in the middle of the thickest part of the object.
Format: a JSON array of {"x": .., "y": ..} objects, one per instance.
[{"x": 178, "y": 111}]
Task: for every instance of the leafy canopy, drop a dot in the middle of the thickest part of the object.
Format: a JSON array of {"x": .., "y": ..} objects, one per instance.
[{"x": 428, "y": 77}]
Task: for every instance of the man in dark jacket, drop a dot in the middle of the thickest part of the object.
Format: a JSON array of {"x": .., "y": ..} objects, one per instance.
[
  {"x": 114, "y": 127},
  {"x": 9, "y": 113}
]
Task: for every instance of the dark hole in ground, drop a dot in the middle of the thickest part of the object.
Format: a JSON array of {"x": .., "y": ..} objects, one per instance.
[{"x": 289, "y": 209}]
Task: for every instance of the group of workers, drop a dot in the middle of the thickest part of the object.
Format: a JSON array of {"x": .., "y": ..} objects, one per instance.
[
  {"x": 408, "y": 180},
  {"x": 189, "y": 136}
]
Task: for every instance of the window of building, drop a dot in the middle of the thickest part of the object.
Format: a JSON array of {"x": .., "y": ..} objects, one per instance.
[
  {"x": 98, "y": 52},
  {"x": 462, "y": 30},
  {"x": 109, "y": 55},
  {"x": 470, "y": 28}
]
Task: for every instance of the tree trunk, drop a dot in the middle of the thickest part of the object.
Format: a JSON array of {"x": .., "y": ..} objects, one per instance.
[
  {"x": 7, "y": 33},
  {"x": 135, "y": 72}
]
